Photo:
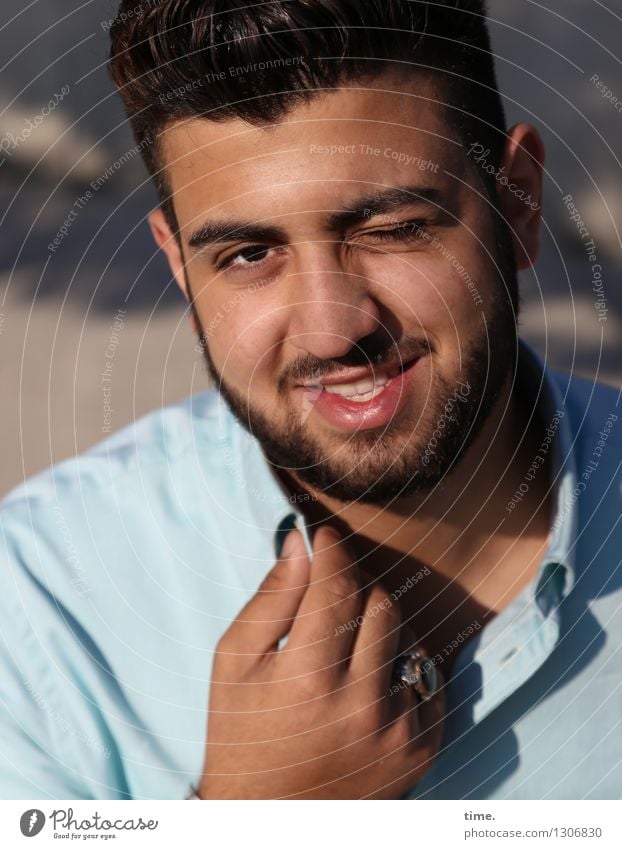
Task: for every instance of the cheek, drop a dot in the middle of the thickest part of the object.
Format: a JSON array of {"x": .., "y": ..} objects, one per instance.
[
  {"x": 437, "y": 295},
  {"x": 422, "y": 291},
  {"x": 245, "y": 343}
]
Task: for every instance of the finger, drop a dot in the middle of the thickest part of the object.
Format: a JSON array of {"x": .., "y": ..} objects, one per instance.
[
  {"x": 430, "y": 716},
  {"x": 408, "y": 639},
  {"x": 417, "y": 730},
  {"x": 410, "y": 642},
  {"x": 425, "y": 716},
  {"x": 327, "y": 617},
  {"x": 376, "y": 642},
  {"x": 267, "y": 618}
]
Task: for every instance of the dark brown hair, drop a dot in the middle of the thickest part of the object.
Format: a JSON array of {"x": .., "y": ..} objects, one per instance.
[{"x": 221, "y": 59}]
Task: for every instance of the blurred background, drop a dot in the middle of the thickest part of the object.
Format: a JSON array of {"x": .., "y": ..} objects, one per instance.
[{"x": 62, "y": 128}]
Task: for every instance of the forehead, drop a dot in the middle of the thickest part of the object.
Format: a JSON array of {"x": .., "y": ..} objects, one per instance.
[{"x": 385, "y": 133}]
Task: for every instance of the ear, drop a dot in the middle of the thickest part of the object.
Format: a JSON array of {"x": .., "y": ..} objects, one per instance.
[
  {"x": 166, "y": 241},
  {"x": 519, "y": 187}
]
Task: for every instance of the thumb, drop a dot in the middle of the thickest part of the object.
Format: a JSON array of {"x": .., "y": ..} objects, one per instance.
[
  {"x": 269, "y": 615},
  {"x": 294, "y": 546}
]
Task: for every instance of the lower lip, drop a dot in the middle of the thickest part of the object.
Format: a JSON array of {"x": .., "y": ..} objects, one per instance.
[{"x": 378, "y": 412}]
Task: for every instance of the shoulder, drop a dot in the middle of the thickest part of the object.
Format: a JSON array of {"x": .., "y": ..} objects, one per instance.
[
  {"x": 153, "y": 444},
  {"x": 154, "y": 480},
  {"x": 593, "y": 408}
]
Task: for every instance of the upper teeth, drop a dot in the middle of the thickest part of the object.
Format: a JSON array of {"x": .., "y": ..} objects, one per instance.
[{"x": 361, "y": 387}]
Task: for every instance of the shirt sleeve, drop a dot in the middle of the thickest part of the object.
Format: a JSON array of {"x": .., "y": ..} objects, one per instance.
[
  {"x": 55, "y": 740},
  {"x": 34, "y": 763}
]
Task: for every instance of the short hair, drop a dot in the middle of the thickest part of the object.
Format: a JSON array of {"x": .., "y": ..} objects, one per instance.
[{"x": 221, "y": 59}]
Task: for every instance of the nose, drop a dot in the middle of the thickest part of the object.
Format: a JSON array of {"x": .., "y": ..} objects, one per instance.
[{"x": 332, "y": 310}]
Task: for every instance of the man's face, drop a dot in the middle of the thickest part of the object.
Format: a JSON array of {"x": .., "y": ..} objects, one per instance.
[{"x": 354, "y": 298}]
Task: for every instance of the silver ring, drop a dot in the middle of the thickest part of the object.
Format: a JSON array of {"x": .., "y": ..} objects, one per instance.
[{"x": 416, "y": 670}]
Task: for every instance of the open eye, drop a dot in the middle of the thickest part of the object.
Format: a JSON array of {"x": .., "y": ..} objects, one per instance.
[{"x": 252, "y": 255}]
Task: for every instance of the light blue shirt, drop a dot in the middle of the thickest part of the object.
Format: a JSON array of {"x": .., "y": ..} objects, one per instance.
[{"x": 121, "y": 569}]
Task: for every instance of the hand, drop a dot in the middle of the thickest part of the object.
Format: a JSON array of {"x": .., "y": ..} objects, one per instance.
[{"x": 316, "y": 718}]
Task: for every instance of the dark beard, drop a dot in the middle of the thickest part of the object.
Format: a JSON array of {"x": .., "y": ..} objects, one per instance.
[{"x": 393, "y": 463}]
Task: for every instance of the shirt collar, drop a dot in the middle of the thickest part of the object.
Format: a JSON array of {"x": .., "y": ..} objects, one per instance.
[{"x": 541, "y": 386}]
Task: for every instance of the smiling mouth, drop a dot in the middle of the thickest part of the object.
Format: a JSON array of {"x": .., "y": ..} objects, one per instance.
[{"x": 363, "y": 389}]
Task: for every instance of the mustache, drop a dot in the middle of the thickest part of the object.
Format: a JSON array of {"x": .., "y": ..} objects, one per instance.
[{"x": 370, "y": 351}]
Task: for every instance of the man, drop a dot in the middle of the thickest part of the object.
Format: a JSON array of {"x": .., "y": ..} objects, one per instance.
[{"x": 426, "y": 486}]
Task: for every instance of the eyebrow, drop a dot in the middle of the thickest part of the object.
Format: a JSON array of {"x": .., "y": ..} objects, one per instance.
[
  {"x": 230, "y": 230},
  {"x": 368, "y": 206},
  {"x": 383, "y": 201}
]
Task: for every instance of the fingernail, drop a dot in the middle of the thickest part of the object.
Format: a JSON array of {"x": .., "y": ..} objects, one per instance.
[
  {"x": 332, "y": 531},
  {"x": 293, "y": 545},
  {"x": 285, "y": 526}
]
